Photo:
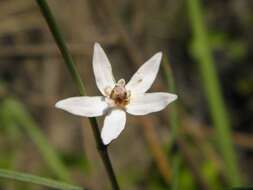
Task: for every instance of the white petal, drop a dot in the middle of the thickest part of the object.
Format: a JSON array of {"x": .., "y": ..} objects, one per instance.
[
  {"x": 149, "y": 102},
  {"x": 114, "y": 123},
  {"x": 84, "y": 105},
  {"x": 102, "y": 69},
  {"x": 142, "y": 80}
]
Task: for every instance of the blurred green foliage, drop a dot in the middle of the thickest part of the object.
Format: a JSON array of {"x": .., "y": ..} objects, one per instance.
[{"x": 203, "y": 55}]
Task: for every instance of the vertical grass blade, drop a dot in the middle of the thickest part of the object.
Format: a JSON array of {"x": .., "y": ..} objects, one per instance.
[
  {"x": 18, "y": 113},
  {"x": 23, "y": 177},
  {"x": 45, "y": 10},
  {"x": 174, "y": 125},
  {"x": 176, "y": 164},
  {"x": 212, "y": 89},
  {"x": 168, "y": 75}
]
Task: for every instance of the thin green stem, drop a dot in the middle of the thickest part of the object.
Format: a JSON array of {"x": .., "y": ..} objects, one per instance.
[
  {"x": 174, "y": 125},
  {"x": 177, "y": 142},
  {"x": 168, "y": 75},
  {"x": 213, "y": 91},
  {"x": 45, "y": 10},
  {"x": 176, "y": 164},
  {"x": 23, "y": 177}
]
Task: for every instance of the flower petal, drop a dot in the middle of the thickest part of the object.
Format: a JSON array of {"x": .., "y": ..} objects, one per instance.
[
  {"x": 102, "y": 69},
  {"x": 84, "y": 105},
  {"x": 114, "y": 123},
  {"x": 142, "y": 80},
  {"x": 149, "y": 102}
]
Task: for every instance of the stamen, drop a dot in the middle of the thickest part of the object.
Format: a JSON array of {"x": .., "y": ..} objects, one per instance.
[
  {"x": 121, "y": 82},
  {"x": 108, "y": 91},
  {"x": 128, "y": 94}
]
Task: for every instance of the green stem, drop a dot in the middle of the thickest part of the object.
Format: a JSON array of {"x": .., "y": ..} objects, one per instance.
[
  {"x": 23, "y": 177},
  {"x": 177, "y": 142},
  {"x": 205, "y": 61},
  {"x": 174, "y": 125},
  {"x": 176, "y": 164},
  {"x": 45, "y": 10},
  {"x": 168, "y": 75}
]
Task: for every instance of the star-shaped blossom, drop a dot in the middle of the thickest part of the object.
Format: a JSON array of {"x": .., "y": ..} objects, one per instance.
[{"x": 119, "y": 97}]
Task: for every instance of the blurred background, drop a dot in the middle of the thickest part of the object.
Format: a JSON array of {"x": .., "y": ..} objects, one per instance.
[{"x": 207, "y": 48}]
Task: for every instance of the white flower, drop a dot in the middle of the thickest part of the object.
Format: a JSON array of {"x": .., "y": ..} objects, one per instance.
[{"x": 118, "y": 97}]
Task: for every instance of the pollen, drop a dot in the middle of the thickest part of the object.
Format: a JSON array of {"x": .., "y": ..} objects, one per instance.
[{"x": 119, "y": 94}]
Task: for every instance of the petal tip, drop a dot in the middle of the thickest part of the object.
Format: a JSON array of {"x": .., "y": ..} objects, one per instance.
[
  {"x": 173, "y": 97},
  {"x": 97, "y": 45},
  {"x": 158, "y": 55},
  {"x": 157, "y": 58},
  {"x": 106, "y": 141},
  {"x": 58, "y": 104}
]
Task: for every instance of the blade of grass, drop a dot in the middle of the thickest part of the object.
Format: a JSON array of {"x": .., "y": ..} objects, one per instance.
[
  {"x": 29, "y": 178},
  {"x": 19, "y": 114},
  {"x": 171, "y": 88},
  {"x": 178, "y": 148},
  {"x": 45, "y": 10},
  {"x": 174, "y": 125},
  {"x": 213, "y": 91},
  {"x": 176, "y": 165}
]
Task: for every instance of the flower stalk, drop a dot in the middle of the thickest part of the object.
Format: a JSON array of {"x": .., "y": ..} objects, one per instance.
[{"x": 45, "y": 10}]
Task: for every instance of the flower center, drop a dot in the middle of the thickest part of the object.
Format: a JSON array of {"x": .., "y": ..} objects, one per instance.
[{"x": 119, "y": 94}]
